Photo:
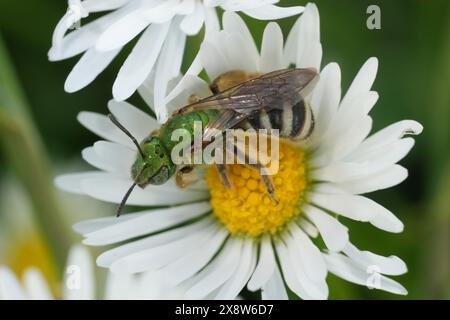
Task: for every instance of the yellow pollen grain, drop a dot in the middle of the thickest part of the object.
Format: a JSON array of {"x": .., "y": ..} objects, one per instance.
[{"x": 247, "y": 208}]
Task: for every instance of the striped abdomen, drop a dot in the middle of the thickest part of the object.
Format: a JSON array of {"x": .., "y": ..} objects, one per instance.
[{"x": 293, "y": 122}]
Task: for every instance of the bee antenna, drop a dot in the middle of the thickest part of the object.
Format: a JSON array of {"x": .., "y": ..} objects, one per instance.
[
  {"x": 128, "y": 133},
  {"x": 124, "y": 200},
  {"x": 128, "y": 193}
]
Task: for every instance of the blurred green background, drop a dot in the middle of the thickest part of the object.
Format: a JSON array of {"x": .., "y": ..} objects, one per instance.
[{"x": 413, "y": 47}]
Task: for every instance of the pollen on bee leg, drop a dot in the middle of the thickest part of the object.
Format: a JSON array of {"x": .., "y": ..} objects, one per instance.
[
  {"x": 186, "y": 176},
  {"x": 247, "y": 208},
  {"x": 193, "y": 98}
]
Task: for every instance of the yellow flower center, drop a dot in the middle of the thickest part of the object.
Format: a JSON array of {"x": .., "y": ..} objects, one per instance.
[
  {"x": 247, "y": 208},
  {"x": 30, "y": 251}
]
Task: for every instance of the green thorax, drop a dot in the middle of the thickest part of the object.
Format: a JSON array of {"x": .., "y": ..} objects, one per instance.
[{"x": 185, "y": 121}]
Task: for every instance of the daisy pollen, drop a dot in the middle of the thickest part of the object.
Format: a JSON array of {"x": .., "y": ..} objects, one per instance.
[{"x": 247, "y": 208}]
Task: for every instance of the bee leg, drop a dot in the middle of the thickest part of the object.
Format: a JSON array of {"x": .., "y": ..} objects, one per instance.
[
  {"x": 262, "y": 171},
  {"x": 193, "y": 98},
  {"x": 224, "y": 175},
  {"x": 185, "y": 177},
  {"x": 266, "y": 180},
  {"x": 269, "y": 186}
]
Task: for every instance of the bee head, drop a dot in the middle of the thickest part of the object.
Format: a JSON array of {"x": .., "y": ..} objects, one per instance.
[{"x": 153, "y": 165}]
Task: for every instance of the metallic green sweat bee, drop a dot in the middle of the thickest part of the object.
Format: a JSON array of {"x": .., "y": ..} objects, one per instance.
[{"x": 240, "y": 100}]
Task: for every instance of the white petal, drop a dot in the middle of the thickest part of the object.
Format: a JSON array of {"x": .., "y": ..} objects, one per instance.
[
  {"x": 92, "y": 225},
  {"x": 10, "y": 288},
  {"x": 360, "y": 209},
  {"x": 140, "y": 61},
  {"x": 382, "y": 155},
  {"x": 163, "y": 12},
  {"x": 336, "y": 143},
  {"x": 110, "y": 156},
  {"x": 391, "y": 265},
  {"x": 309, "y": 52},
  {"x": 212, "y": 24},
  {"x": 218, "y": 271},
  {"x": 191, "y": 263},
  {"x": 387, "y": 221},
  {"x": 192, "y": 23},
  {"x": 79, "y": 281},
  {"x": 64, "y": 24},
  {"x": 125, "y": 28},
  {"x": 234, "y": 24},
  {"x": 112, "y": 188},
  {"x": 340, "y": 144},
  {"x": 233, "y": 45},
  {"x": 233, "y": 5},
  {"x": 363, "y": 80},
  {"x": 138, "y": 122},
  {"x": 214, "y": 62},
  {"x": 36, "y": 285},
  {"x": 104, "y": 128},
  {"x": 177, "y": 61},
  {"x": 325, "y": 98},
  {"x": 310, "y": 256},
  {"x": 212, "y": 3},
  {"x": 364, "y": 165},
  {"x": 174, "y": 100},
  {"x": 356, "y": 107},
  {"x": 160, "y": 256},
  {"x": 274, "y": 289},
  {"x": 309, "y": 228},
  {"x": 291, "y": 44},
  {"x": 343, "y": 171},
  {"x": 345, "y": 268},
  {"x": 72, "y": 182},
  {"x": 191, "y": 85},
  {"x": 91, "y": 64},
  {"x": 265, "y": 267},
  {"x": 387, "y": 178},
  {"x": 146, "y": 222},
  {"x": 84, "y": 38},
  {"x": 289, "y": 273},
  {"x": 311, "y": 57},
  {"x": 271, "y": 12},
  {"x": 317, "y": 289},
  {"x": 109, "y": 257},
  {"x": 168, "y": 67},
  {"x": 334, "y": 233},
  {"x": 271, "y": 49},
  {"x": 119, "y": 286},
  {"x": 103, "y": 5},
  {"x": 236, "y": 283},
  {"x": 389, "y": 135},
  {"x": 182, "y": 86},
  {"x": 186, "y": 7},
  {"x": 354, "y": 207}
]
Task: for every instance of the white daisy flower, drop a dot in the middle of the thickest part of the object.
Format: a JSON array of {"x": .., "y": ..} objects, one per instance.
[
  {"x": 79, "y": 283},
  {"x": 212, "y": 242},
  {"x": 163, "y": 25}
]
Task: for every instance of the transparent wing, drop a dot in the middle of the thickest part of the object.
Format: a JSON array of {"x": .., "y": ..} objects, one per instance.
[
  {"x": 271, "y": 91},
  {"x": 274, "y": 90}
]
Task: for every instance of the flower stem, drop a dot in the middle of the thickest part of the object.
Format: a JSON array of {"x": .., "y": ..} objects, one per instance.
[{"x": 25, "y": 152}]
